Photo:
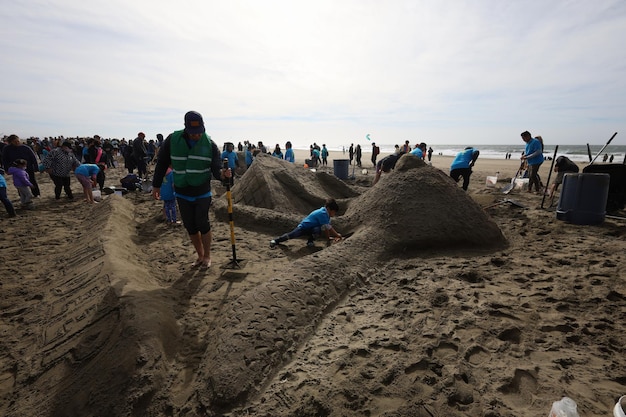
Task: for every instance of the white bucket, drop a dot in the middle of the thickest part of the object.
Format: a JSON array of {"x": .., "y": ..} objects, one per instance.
[
  {"x": 97, "y": 195},
  {"x": 491, "y": 181},
  {"x": 522, "y": 183},
  {"x": 618, "y": 411}
]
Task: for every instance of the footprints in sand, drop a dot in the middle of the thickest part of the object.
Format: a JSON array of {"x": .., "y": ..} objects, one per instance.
[{"x": 521, "y": 388}]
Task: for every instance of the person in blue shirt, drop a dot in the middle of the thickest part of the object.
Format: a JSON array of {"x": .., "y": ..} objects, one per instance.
[
  {"x": 533, "y": 155},
  {"x": 315, "y": 156},
  {"x": 313, "y": 224},
  {"x": 249, "y": 158},
  {"x": 168, "y": 195},
  {"x": 289, "y": 155},
  {"x": 324, "y": 155},
  {"x": 231, "y": 155},
  {"x": 462, "y": 165},
  {"x": 419, "y": 150},
  {"x": 87, "y": 174},
  {"x": 4, "y": 197}
]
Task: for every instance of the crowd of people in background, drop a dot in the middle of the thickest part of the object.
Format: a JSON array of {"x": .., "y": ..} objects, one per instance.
[
  {"x": 60, "y": 157},
  {"x": 89, "y": 159}
]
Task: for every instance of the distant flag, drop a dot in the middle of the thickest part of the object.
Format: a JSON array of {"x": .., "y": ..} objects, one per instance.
[{"x": 368, "y": 136}]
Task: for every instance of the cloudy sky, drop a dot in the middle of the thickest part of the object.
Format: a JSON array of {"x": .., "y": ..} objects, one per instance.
[{"x": 332, "y": 71}]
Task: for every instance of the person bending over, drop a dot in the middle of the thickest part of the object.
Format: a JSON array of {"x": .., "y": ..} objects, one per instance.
[
  {"x": 462, "y": 165},
  {"x": 386, "y": 164},
  {"x": 562, "y": 165}
]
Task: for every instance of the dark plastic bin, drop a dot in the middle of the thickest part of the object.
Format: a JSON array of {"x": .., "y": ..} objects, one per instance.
[
  {"x": 583, "y": 198},
  {"x": 341, "y": 168}
]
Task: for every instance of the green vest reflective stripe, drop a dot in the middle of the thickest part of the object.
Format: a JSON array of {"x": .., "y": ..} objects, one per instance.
[{"x": 191, "y": 166}]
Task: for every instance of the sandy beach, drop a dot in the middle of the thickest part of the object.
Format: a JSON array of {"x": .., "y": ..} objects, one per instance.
[{"x": 439, "y": 303}]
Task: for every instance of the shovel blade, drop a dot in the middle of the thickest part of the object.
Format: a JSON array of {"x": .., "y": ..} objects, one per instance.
[{"x": 508, "y": 188}]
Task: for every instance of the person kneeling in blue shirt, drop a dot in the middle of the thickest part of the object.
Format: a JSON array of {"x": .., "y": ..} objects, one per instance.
[{"x": 313, "y": 224}]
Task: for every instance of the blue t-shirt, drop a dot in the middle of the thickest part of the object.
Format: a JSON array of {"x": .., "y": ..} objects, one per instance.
[
  {"x": 3, "y": 182},
  {"x": 533, "y": 146},
  {"x": 463, "y": 159},
  {"x": 418, "y": 152},
  {"x": 317, "y": 218},
  {"x": 232, "y": 159},
  {"x": 88, "y": 170},
  {"x": 289, "y": 155},
  {"x": 248, "y": 157}
]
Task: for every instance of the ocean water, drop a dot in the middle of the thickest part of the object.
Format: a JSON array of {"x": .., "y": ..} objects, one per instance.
[{"x": 577, "y": 153}]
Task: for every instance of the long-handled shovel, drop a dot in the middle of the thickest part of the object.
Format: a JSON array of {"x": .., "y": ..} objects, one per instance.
[
  {"x": 509, "y": 187},
  {"x": 602, "y": 150},
  {"x": 556, "y": 148},
  {"x": 234, "y": 263}
]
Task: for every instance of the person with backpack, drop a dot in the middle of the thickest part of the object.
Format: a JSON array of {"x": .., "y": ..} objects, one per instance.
[{"x": 193, "y": 157}]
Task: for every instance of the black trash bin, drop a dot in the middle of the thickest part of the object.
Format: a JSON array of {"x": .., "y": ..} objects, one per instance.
[{"x": 341, "y": 168}]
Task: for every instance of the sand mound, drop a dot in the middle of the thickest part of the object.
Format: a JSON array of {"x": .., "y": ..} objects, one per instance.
[
  {"x": 417, "y": 206},
  {"x": 279, "y": 185}
]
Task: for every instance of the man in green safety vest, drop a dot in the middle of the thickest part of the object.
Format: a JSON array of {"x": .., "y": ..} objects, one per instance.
[{"x": 193, "y": 157}]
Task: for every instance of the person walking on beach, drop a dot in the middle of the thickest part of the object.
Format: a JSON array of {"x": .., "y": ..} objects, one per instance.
[
  {"x": 358, "y": 155},
  {"x": 169, "y": 198},
  {"x": 193, "y": 157},
  {"x": 351, "y": 152},
  {"x": 15, "y": 150},
  {"x": 462, "y": 165},
  {"x": 22, "y": 183},
  {"x": 375, "y": 152},
  {"x": 324, "y": 155},
  {"x": 312, "y": 225},
  {"x": 59, "y": 164},
  {"x": 8, "y": 205},
  {"x": 534, "y": 157},
  {"x": 139, "y": 155}
]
